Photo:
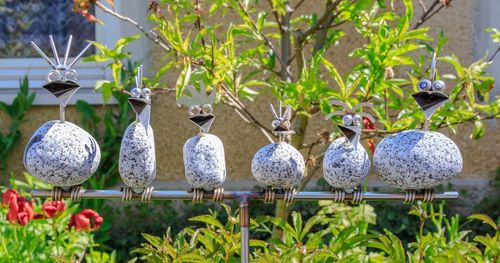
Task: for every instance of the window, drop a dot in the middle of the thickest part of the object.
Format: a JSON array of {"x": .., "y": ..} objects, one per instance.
[{"x": 22, "y": 21}]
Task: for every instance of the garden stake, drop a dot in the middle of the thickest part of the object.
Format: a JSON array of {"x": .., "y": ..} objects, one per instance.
[{"x": 245, "y": 197}]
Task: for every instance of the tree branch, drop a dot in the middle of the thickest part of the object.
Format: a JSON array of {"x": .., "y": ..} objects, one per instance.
[
  {"x": 266, "y": 40},
  {"x": 318, "y": 25},
  {"x": 494, "y": 54},
  {"x": 297, "y": 6},
  {"x": 430, "y": 12},
  {"x": 149, "y": 33},
  {"x": 245, "y": 114},
  {"x": 276, "y": 16}
]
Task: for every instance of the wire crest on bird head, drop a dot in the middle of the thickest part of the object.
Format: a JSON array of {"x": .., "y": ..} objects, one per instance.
[
  {"x": 350, "y": 110},
  {"x": 197, "y": 97},
  {"x": 61, "y": 70}
]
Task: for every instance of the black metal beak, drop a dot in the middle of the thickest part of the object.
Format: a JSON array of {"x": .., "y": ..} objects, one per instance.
[
  {"x": 282, "y": 127},
  {"x": 352, "y": 134},
  {"x": 204, "y": 122},
  {"x": 142, "y": 108},
  {"x": 63, "y": 90},
  {"x": 429, "y": 102}
]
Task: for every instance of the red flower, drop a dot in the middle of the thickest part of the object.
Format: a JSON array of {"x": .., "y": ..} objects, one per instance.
[
  {"x": 20, "y": 211},
  {"x": 371, "y": 146},
  {"x": 86, "y": 220},
  {"x": 368, "y": 124},
  {"x": 53, "y": 209},
  {"x": 6, "y": 196}
]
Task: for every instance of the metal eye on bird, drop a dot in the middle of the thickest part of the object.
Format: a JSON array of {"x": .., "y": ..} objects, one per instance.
[
  {"x": 207, "y": 109},
  {"x": 136, "y": 92},
  {"x": 194, "y": 110},
  {"x": 356, "y": 120},
  {"x": 438, "y": 85},
  {"x": 347, "y": 120},
  {"x": 146, "y": 93},
  {"x": 424, "y": 84}
]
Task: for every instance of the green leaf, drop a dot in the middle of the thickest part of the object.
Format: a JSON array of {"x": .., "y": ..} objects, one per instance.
[
  {"x": 106, "y": 88},
  {"x": 478, "y": 130},
  {"x": 207, "y": 219},
  {"x": 485, "y": 219}
]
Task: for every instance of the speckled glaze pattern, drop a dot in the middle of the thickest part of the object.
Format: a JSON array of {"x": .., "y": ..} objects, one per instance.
[
  {"x": 279, "y": 165},
  {"x": 416, "y": 159},
  {"x": 204, "y": 162},
  {"x": 345, "y": 167},
  {"x": 62, "y": 154},
  {"x": 137, "y": 164}
]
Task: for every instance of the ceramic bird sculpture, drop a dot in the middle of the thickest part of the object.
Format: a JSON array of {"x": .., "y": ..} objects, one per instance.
[
  {"x": 59, "y": 152},
  {"x": 204, "y": 161},
  {"x": 137, "y": 163},
  {"x": 346, "y": 163},
  {"x": 420, "y": 159},
  {"x": 279, "y": 166}
]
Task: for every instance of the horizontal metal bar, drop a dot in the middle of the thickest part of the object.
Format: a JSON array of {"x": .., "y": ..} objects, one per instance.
[{"x": 232, "y": 195}]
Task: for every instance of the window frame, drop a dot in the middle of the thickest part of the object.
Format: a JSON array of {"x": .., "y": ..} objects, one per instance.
[{"x": 12, "y": 70}]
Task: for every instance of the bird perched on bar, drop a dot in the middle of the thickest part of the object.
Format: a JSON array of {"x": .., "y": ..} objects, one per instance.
[
  {"x": 59, "y": 152},
  {"x": 346, "y": 163},
  {"x": 137, "y": 163},
  {"x": 204, "y": 161},
  {"x": 420, "y": 159},
  {"x": 279, "y": 166}
]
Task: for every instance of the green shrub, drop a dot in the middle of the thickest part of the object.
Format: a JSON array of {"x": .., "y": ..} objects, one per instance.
[{"x": 337, "y": 233}]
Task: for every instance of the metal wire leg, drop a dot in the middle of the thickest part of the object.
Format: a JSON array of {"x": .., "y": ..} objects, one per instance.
[
  {"x": 289, "y": 195},
  {"x": 339, "y": 195},
  {"x": 410, "y": 196},
  {"x": 76, "y": 193},
  {"x": 127, "y": 194},
  {"x": 218, "y": 195},
  {"x": 198, "y": 195},
  {"x": 357, "y": 196},
  {"x": 269, "y": 195},
  {"x": 428, "y": 195},
  {"x": 56, "y": 193},
  {"x": 146, "y": 194}
]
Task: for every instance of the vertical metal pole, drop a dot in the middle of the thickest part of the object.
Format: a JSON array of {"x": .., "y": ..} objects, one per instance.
[
  {"x": 61, "y": 111},
  {"x": 244, "y": 224}
]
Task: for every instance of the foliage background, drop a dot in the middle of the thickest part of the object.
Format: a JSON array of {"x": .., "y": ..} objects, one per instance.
[{"x": 108, "y": 122}]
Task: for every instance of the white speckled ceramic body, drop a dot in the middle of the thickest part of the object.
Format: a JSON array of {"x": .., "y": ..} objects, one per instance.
[
  {"x": 204, "y": 162},
  {"x": 279, "y": 165},
  {"x": 137, "y": 164},
  {"x": 62, "y": 154},
  {"x": 417, "y": 159},
  {"x": 344, "y": 166}
]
